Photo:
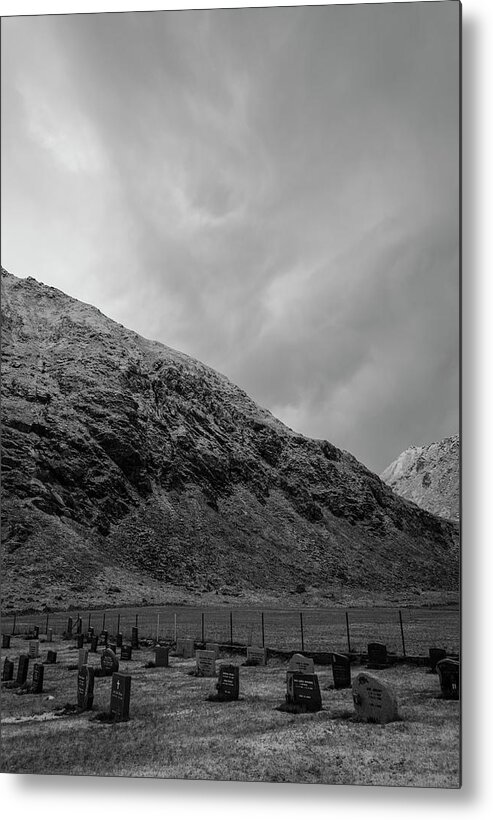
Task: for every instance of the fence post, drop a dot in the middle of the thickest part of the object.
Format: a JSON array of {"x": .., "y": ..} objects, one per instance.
[
  {"x": 46, "y": 627},
  {"x": 136, "y": 620},
  {"x": 302, "y": 634},
  {"x": 157, "y": 629},
  {"x": 104, "y": 621},
  {"x": 13, "y": 625},
  {"x": 231, "y": 628},
  {"x": 175, "y": 628},
  {"x": 89, "y": 623},
  {"x": 118, "y": 625},
  {"x": 402, "y": 634},
  {"x": 263, "y": 631},
  {"x": 203, "y": 627},
  {"x": 347, "y": 633}
]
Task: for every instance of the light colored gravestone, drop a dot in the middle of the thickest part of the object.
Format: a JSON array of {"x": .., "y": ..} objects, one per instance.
[
  {"x": 34, "y": 649},
  {"x": 256, "y": 656},
  {"x": 298, "y": 663},
  {"x": 161, "y": 656},
  {"x": 179, "y": 647},
  {"x": 206, "y": 663},
  {"x": 213, "y": 647},
  {"x": 83, "y": 656},
  {"x": 373, "y": 700},
  {"x": 188, "y": 647}
]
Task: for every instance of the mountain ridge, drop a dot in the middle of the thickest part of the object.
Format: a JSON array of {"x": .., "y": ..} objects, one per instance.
[{"x": 124, "y": 459}]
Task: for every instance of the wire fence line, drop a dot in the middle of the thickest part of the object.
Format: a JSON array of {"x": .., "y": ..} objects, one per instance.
[{"x": 405, "y": 632}]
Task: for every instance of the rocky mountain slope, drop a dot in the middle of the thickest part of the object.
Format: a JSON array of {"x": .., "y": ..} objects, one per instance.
[
  {"x": 131, "y": 471},
  {"x": 429, "y": 476}
]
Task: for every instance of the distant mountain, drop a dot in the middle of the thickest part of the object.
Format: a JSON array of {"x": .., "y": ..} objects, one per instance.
[
  {"x": 429, "y": 476},
  {"x": 131, "y": 472}
]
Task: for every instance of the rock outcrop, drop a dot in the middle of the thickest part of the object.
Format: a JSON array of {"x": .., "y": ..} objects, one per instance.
[
  {"x": 429, "y": 476},
  {"x": 129, "y": 466}
]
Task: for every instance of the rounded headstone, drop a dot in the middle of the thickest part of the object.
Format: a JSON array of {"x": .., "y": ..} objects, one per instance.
[
  {"x": 109, "y": 662},
  {"x": 374, "y": 701}
]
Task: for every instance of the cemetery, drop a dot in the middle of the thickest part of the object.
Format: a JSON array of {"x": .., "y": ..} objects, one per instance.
[{"x": 180, "y": 707}]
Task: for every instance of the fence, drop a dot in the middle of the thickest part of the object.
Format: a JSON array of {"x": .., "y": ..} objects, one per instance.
[{"x": 405, "y": 632}]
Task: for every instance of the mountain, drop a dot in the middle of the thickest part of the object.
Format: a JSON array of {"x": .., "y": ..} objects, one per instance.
[
  {"x": 429, "y": 476},
  {"x": 132, "y": 472}
]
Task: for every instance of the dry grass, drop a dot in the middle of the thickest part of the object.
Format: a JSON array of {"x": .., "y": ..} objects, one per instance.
[{"x": 174, "y": 732}]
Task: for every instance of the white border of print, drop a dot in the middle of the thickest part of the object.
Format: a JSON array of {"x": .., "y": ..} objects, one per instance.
[{"x": 52, "y": 797}]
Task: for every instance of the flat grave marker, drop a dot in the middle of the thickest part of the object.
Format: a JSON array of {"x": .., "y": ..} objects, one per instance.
[
  {"x": 374, "y": 701},
  {"x": 120, "y": 696},
  {"x": 5, "y": 641},
  {"x": 34, "y": 649},
  {"x": 109, "y": 662},
  {"x": 303, "y": 692},
  {"x": 85, "y": 687},
  {"x": 161, "y": 656},
  {"x": 341, "y": 671},
  {"x": 126, "y": 652},
  {"x": 449, "y": 675},
  {"x": 38, "y": 676},
  {"x": 377, "y": 656},
  {"x": 206, "y": 663},
  {"x": 22, "y": 669},
  {"x": 256, "y": 656},
  {"x": 298, "y": 663},
  {"x": 8, "y": 670}
]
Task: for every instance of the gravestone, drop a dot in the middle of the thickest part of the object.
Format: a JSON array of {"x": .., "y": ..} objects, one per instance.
[
  {"x": 341, "y": 671},
  {"x": 119, "y": 640},
  {"x": 49, "y": 635},
  {"x": 85, "y": 687},
  {"x": 83, "y": 656},
  {"x": 22, "y": 670},
  {"x": 135, "y": 637},
  {"x": 188, "y": 647},
  {"x": 109, "y": 662},
  {"x": 180, "y": 647},
  {"x": 5, "y": 641},
  {"x": 377, "y": 656},
  {"x": 228, "y": 685},
  {"x": 161, "y": 656},
  {"x": 79, "y": 641},
  {"x": 303, "y": 691},
  {"x": 94, "y": 643},
  {"x": 50, "y": 656},
  {"x": 34, "y": 649},
  {"x": 103, "y": 638},
  {"x": 35, "y": 633},
  {"x": 449, "y": 675},
  {"x": 78, "y": 626},
  {"x": 90, "y": 634},
  {"x": 206, "y": 663},
  {"x": 256, "y": 656},
  {"x": 298, "y": 663},
  {"x": 38, "y": 675},
  {"x": 373, "y": 700},
  {"x": 120, "y": 696},
  {"x": 8, "y": 670},
  {"x": 213, "y": 647},
  {"x": 126, "y": 652},
  {"x": 70, "y": 627},
  {"x": 113, "y": 647},
  {"x": 436, "y": 655}
]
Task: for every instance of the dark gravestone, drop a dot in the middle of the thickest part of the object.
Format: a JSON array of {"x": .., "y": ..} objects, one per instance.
[
  {"x": 103, "y": 638},
  {"x": 113, "y": 647},
  {"x": 161, "y": 657},
  {"x": 228, "y": 685},
  {"x": 303, "y": 692},
  {"x": 373, "y": 700},
  {"x": 83, "y": 655},
  {"x": 22, "y": 670},
  {"x": 135, "y": 637},
  {"x": 5, "y": 641},
  {"x": 8, "y": 670},
  {"x": 50, "y": 656},
  {"x": 90, "y": 634},
  {"x": 109, "y": 662},
  {"x": 206, "y": 663},
  {"x": 119, "y": 640},
  {"x": 78, "y": 626},
  {"x": 120, "y": 696},
  {"x": 341, "y": 671},
  {"x": 256, "y": 656},
  {"x": 377, "y": 656},
  {"x": 79, "y": 641},
  {"x": 85, "y": 687},
  {"x": 449, "y": 675},
  {"x": 94, "y": 643},
  {"x": 70, "y": 627},
  {"x": 35, "y": 632},
  {"x": 436, "y": 655},
  {"x": 38, "y": 675},
  {"x": 49, "y": 635},
  {"x": 126, "y": 652}
]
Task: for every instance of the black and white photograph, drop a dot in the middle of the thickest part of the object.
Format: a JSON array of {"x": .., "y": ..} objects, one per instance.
[{"x": 231, "y": 394}]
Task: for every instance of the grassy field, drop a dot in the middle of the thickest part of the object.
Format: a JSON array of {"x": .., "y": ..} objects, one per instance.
[{"x": 174, "y": 732}]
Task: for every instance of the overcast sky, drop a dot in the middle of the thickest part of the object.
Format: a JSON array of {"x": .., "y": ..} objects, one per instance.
[{"x": 273, "y": 191}]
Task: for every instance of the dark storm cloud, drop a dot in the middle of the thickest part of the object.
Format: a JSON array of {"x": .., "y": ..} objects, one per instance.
[{"x": 273, "y": 191}]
